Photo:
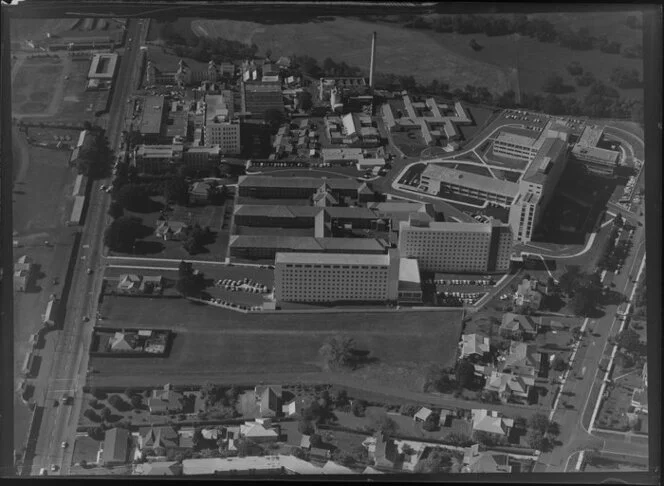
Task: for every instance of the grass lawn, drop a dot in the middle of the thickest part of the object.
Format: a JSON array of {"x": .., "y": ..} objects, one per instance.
[
  {"x": 480, "y": 116},
  {"x": 612, "y": 414},
  {"x": 210, "y": 340},
  {"x": 50, "y": 135},
  {"x": 35, "y": 85},
  {"x": 76, "y": 100},
  {"x": 85, "y": 449},
  {"x": 411, "y": 142}
]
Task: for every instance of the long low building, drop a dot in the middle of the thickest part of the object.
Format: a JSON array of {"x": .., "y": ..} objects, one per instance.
[
  {"x": 259, "y": 186},
  {"x": 324, "y": 277},
  {"x": 266, "y": 247},
  {"x": 103, "y": 66},
  {"x": 436, "y": 178},
  {"x": 595, "y": 159}
]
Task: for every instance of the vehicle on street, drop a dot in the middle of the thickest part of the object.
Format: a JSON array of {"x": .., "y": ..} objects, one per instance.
[
  {"x": 64, "y": 445},
  {"x": 89, "y": 271},
  {"x": 54, "y": 467},
  {"x": 43, "y": 472}
]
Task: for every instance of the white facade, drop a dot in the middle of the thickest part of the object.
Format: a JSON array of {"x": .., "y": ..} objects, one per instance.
[
  {"x": 220, "y": 127},
  {"x": 325, "y": 277}
]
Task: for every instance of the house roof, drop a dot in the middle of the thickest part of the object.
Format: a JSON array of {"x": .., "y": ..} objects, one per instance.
[
  {"x": 121, "y": 342},
  {"x": 306, "y": 243},
  {"x": 486, "y": 421},
  {"x": 296, "y": 182},
  {"x": 270, "y": 399},
  {"x": 116, "y": 444},
  {"x": 254, "y": 429},
  {"x": 159, "y": 437},
  {"x": 491, "y": 463},
  {"x": 305, "y": 441},
  {"x": 423, "y": 413},
  {"x": 516, "y": 322},
  {"x": 501, "y": 382},
  {"x": 257, "y": 210},
  {"x": 474, "y": 344},
  {"x": 333, "y": 259},
  {"x": 522, "y": 355}
]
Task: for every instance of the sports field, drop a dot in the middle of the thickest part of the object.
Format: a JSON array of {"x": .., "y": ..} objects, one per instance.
[
  {"x": 36, "y": 84},
  {"x": 213, "y": 343}
]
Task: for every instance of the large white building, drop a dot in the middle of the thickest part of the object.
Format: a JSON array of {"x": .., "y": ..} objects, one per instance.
[
  {"x": 330, "y": 277},
  {"x": 594, "y": 158},
  {"x": 220, "y": 126},
  {"x": 456, "y": 247},
  {"x": 537, "y": 187}
]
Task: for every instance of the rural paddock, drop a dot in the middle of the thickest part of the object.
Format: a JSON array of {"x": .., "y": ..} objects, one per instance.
[{"x": 215, "y": 344}]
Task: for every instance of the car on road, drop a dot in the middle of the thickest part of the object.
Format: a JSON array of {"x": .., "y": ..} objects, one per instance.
[
  {"x": 43, "y": 472},
  {"x": 54, "y": 467},
  {"x": 64, "y": 445},
  {"x": 89, "y": 271},
  {"x": 66, "y": 399}
]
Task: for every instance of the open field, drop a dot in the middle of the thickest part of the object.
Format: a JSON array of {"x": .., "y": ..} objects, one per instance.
[
  {"x": 339, "y": 40},
  {"x": 211, "y": 342},
  {"x": 24, "y": 29},
  {"x": 36, "y": 85}
]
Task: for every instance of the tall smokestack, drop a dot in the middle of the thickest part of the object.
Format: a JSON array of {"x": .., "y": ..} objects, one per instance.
[{"x": 373, "y": 61}]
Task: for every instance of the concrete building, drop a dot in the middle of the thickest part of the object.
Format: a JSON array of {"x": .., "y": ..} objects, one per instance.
[
  {"x": 258, "y": 99},
  {"x": 595, "y": 159},
  {"x": 152, "y": 118},
  {"x": 103, "y": 66},
  {"x": 220, "y": 126},
  {"x": 302, "y": 187},
  {"x": 266, "y": 247},
  {"x": 322, "y": 277},
  {"x": 537, "y": 187},
  {"x": 456, "y": 247},
  {"x": 410, "y": 282},
  {"x": 437, "y": 178},
  {"x": 352, "y": 129},
  {"x": 436, "y": 122},
  {"x": 202, "y": 157},
  {"x": 158, "y": 159}
]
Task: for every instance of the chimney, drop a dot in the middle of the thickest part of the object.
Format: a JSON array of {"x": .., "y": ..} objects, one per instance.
[{"x": 373, "y": 60}]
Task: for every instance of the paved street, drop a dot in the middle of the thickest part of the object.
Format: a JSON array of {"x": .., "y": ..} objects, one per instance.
[{"x": 69, "y": 366}]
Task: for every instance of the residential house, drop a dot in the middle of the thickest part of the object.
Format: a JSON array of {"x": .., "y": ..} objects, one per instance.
[
  {"x": 422, "y": 414},
  {"x": 509, "y": 386},
  {"x": 475, "y": 461},
  {"x": 318, "y": 454},
  {"x": 116, "y": 447},
  {"x": 166, "y": 401},
  {"x": 172, "y": 230},
  {"x": 170, "y": 468},
  {"x": 186, "y": 440},
  {"x": 164, "y": 437},
  {"x": 269, "y": 399},
  {"x": 523, "y": 359},
  {"x": 152, "y": 284},
  {"x": 297, "y": 406},
  {"x": 129, "y": 283},
  {"x": 474, "y": 346},
  {"x": 491, "y": 422},
  {"x": 199, "y": 192},
  {"x": 122, "y": 342},
  {"x": 527, "y": 296},
  {"x": 260, "y": 431},
  {"x": 23, "y": 273},
  {"x": 383, "y": 451},
  {"x": 518, "y": 327}
]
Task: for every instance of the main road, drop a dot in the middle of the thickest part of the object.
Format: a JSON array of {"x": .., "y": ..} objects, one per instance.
[
  {"x": 69, "y": 367},
  {"x": 584, "y": 381}
]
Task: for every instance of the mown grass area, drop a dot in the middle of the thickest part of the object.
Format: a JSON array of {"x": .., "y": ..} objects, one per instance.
[
  {"x": 35, "y": 84},
  {"x": 212, "y": 340}
]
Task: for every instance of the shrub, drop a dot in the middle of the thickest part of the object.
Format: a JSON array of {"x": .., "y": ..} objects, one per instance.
[
  {"x": 117, "y": 402},
  {"x": 358, "y": 408},
  {"x": 91, "y": 415}
]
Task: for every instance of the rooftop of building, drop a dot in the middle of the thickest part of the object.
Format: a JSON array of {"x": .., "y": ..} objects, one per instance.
[
  {"x": 306, "y": 243},
  {"x": 448, "y": 175},
  {"x": 409, "y": 274},
  {"x": 601, "y": 154},
  {"x": 262, "y": 88},
  {"x": 151, "y": 119},
  {"x": 538, "y": 170},
  {"x": 219, "y": 108},
  {"x": 332, "y": 259},
  {"x": 303, "y": 182},
  {"x": 591, "y": 136},
  {"x": 449, "y": 226}
]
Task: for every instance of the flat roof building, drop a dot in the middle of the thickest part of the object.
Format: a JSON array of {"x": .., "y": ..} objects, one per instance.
[
  {"x": 301, "y": 187},
  {"x": 152, "y": 116},
  {"x": 266, "y": 247},
  {"x": 155, "y": 159},
  {"x": 594, "y": 158},
  {"x": 258, "y": 99},
  {"x": 103, "y": 66},
  {"x": 220, "y": 126},
  {"x": 325, "y": 277},
  {"x": 410, "y": 283},
  {"x": 456, "y": 247},
  {"x": 436, "y": 178}
]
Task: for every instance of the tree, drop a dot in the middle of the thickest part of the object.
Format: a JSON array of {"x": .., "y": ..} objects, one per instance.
[
  {"x": 91, "y": 415},
  {"x": 123, "y": 233},
  {"x": 465, "y": 374},
  {"x": 437, "y": 461},
  {"x": 210, "y": 392},
  {"x": 132, "y": 197},
  {"x": 116, "y": 401},
  {"x": 485, "y": 438},
  {"x": 337, "y": 352},
  {"x": 197, "y": 438},
  {"x": 136, "y": 402},
  {"x": 625, "y": 78},
  {"x": 535, "y": 439},
  {"x": 115, "y": 210},
  {"x": 176, "y": 190},
  {"x": 358, "y": 407},
  {"x": 384, "y": 424},
  {"x": 458, "y": 439},
  {"x": 431, "y": 423},
  {"x": 196, "y": 239},
  {"x": 189, "y": 283},
  {"x": 538, "y": 422},
  {"x": 575, "y": 68},
  {"x": 96, "y": 433},
  {"x": 554, "y": 84},
  {"x": 105, "y": 413},
  {"x": 315, "y": 440},
  {"x": 305, "y": 427},
  {"x": 340, "y": 398},
  {"x": 316, "y": 413},
  {"x": 630, "y": 341},
  {"x": 585, "y": 79},
  {"x": 298, "y": 452}
]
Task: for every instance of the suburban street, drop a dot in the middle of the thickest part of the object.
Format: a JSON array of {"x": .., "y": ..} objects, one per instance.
[
  {"x": 69, "y": 366},
  {"x": 575, "y": 422}
]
